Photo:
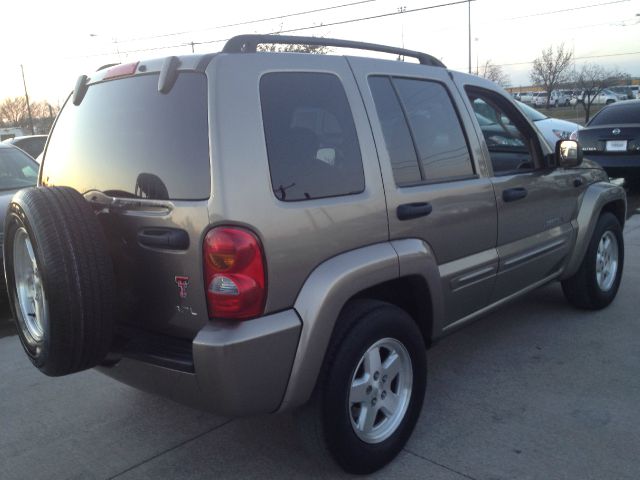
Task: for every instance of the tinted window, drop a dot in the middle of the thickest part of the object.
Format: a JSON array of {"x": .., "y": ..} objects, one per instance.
[
  {"x": 439, "y": 139},
  {"x": 311, "y": 138},
  {"x": 618, "y": 114},
  {"x": 397, "y": 138},
  {"x": 17, "y": 169},
  {"x": 126, "y": 139}
]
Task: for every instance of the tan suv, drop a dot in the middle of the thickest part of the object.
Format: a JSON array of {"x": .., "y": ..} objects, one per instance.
[{"x": 254, "y": 232}]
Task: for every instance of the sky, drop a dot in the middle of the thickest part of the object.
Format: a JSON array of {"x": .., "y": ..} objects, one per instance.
[{"x": 64, "y": 39}]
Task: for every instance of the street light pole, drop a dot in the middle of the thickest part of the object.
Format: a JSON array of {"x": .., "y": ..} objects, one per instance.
[{"x": 26, "y": 95}]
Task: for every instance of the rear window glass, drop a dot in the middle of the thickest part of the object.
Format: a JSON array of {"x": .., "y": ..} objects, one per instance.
[
  {"x": 311, "y": 139},
  {"x": 619, "y": 114},
  {"x": 126, "y": 139}
]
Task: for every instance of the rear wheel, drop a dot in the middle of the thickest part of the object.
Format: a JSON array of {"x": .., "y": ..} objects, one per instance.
[
  {"x": 59, "y": 279},
  {"x": 596, "y": 283},
  {"x": 371, "y": 389}
]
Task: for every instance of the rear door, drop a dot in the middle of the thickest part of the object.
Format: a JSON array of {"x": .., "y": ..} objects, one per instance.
[
  {"x": 141, "y": 157},
  {"x": 435, "y": 183}
]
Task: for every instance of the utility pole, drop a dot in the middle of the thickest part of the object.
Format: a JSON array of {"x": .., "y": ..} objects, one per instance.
[
  {"x": 469, "y": 3},
  {"x": 26, "y": 95}
]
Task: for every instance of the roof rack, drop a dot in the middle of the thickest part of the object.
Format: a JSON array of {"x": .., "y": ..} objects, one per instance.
[{"x": 249, "y": 44}]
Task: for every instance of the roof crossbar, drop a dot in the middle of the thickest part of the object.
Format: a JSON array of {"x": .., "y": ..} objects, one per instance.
[{"x": 249, "y": 44}]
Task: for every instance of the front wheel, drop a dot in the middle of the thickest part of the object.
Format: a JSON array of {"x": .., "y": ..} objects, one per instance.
[
  {"x": 372, "y": 386},
  {"x": 596, "y": 283}
]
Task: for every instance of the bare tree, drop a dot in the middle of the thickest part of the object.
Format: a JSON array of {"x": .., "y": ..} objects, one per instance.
[
  {"x": 591, "y": 79},
  {"x": 494, "y": 72},
  {"x": 13, "y": 112},
  {"x": 551, "y": 69},
  {"x": 274, "y": 47}
]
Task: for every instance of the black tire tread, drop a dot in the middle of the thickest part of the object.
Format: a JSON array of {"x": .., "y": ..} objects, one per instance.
[
  {"x": 77, "y": 275},
  {"x": 580, "y": 289}
]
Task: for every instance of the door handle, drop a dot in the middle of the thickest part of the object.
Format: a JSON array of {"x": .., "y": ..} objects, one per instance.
[
  {"x": 167, "y": 238},
  {"x": 408, "y": 211},
  {"x": 513, "y": 194}
]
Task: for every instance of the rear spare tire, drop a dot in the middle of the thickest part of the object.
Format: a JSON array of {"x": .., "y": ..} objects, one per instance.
[{"x": 60, "y": 279}]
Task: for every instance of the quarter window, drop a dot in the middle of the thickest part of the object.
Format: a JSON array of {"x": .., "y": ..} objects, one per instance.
[{"x": 310, "y": 134}]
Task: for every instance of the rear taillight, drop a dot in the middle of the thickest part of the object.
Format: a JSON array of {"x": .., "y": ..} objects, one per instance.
[{"x": 234, "y": 273}]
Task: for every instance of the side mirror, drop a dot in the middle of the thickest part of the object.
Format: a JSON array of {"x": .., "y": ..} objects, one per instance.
[{"x": 568, "y": 153}]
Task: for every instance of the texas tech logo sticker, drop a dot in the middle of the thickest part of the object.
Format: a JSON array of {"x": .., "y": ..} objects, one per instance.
[{"x": 183, "y": 283}]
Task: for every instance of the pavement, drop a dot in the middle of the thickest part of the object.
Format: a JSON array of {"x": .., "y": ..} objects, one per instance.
[{"x": 537, "y": 390}]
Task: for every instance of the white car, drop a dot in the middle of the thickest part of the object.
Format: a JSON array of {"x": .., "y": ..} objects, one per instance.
[
  {"x": 560, "y": 98},
  {"x": 553, "y": 129},
  {"x": 605, "y": 97},
  {"x": 539, "y": 99},
  {"x": 526, "y": 97}
]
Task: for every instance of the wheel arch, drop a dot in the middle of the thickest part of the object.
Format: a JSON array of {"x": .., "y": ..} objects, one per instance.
[
  {"x": 598, "y": 198},
  {"x": 395, "y": 272}
]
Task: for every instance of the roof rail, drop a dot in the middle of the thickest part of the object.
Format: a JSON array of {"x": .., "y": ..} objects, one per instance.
[{"x": 249, "y": 44}]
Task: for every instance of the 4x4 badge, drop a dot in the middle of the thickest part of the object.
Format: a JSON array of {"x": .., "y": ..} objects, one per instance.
[{"x": 183, "y": 283}]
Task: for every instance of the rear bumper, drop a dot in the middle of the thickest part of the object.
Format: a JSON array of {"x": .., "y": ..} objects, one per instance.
[
  {"x": 626, "y": 166},
  {"x": 239, "y": 368}
]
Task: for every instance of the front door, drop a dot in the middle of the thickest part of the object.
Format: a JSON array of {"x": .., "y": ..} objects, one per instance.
[{"x": 536, "y": 202}]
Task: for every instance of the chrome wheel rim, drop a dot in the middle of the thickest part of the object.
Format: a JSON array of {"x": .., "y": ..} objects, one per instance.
[
  {"x": 380, "y": 390},
  {"x": 32, "y": 304},
  {"x": 607, "y": 261}
]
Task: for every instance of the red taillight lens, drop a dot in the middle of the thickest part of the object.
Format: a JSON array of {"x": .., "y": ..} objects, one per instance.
[{"x": 234, "y": 273}]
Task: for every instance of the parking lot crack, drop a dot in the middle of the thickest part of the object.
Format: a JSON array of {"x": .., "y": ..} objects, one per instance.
[
  {"x": 133, "y": 467},
  {"x": 440, "y": 465}
]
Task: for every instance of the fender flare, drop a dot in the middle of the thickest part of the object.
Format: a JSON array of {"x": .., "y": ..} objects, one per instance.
[
  {"x": 330, "y": 286},
  {"x": 595, "y": 198}
]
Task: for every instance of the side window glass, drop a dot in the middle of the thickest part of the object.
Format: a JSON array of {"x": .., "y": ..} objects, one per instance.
[
  {"x": 439, "y": 139},
  {"x": 310, "y": 134},
  {"x": 397, "y": 137},
  {"x": 507, "y": 143}
]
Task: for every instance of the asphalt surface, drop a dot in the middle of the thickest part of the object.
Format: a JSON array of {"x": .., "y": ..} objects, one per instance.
[{"x": 537, "y": 390}]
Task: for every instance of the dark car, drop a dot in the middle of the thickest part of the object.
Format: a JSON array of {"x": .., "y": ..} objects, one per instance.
[
  {"x": 612, "y": 138},
  {"x": 17, "y": 171},
  {"x": 32, "y": 144}
]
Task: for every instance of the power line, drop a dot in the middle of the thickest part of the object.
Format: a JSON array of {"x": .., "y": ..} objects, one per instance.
[
  {"x": 354, "y": 20},
  {"x": 300, "y": 29},
  {"x": 561, "y": 11},
  {"x": 361, "y": 19},
  {"x": 248, "y": 22},
  {"x": 587, "y": 57}
]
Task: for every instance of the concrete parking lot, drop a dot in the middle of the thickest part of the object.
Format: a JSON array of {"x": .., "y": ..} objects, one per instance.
[{"x": 537, "y": 390}]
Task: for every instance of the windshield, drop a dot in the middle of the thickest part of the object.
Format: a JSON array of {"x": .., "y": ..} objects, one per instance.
[
  {"x": 17, "y": 170},
  {"x": 531, "y": 113}
]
